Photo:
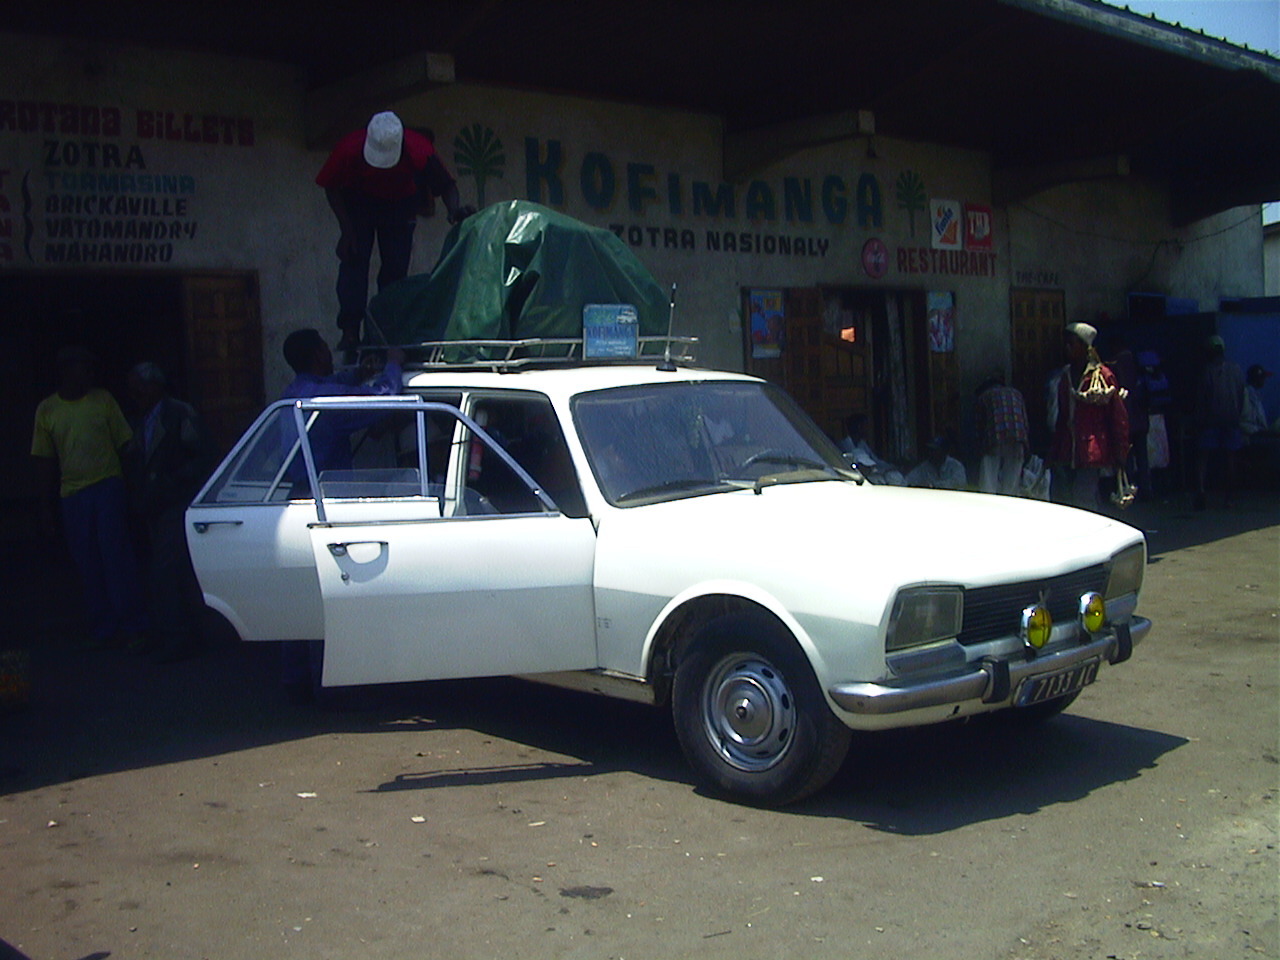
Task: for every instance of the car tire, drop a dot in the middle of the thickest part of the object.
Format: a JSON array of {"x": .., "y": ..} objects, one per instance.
[{"x": 750, "y": 716}]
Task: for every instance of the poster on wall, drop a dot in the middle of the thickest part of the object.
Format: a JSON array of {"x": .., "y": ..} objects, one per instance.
[
  {"x": 767, "y": 318},
  {"x": 978, "y": 220},
  {"x": 946, "y": 224},
  {"x": 941, "y": 317}
]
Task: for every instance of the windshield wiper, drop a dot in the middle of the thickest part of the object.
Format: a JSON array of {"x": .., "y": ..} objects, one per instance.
[
  {"x": 809, "y": 472},
  {"x": 787, "y": 460},
  {"x": 671, "y": 486}
]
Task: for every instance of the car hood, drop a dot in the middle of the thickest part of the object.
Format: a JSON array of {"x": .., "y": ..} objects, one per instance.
[{"x": 893, "y": 535}]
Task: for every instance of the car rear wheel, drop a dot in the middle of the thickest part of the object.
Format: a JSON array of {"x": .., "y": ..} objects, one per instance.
[{"x": 750, "y": 716}]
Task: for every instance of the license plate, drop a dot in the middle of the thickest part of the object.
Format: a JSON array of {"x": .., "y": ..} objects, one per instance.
[{"x": 1050, "y": 686}]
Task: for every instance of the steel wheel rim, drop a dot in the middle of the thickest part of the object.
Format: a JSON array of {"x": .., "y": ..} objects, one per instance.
[{"x": 748, "y": 712}]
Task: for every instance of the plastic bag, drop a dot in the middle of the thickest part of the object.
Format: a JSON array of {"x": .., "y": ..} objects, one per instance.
[
  {"x": 1158, "y": 442},
  {"x": 1035, "y": 479}
]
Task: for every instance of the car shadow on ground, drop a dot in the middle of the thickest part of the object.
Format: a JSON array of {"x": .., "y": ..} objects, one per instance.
[
  {"x": 913, "y": 782},
  {"x": 98, "y": 712},
  {"x": 587, "y": 734},
  {"x": 931, "y": 780},
  {"x": 105, "y": 712}
]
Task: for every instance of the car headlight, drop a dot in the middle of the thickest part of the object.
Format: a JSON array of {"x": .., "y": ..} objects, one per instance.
[
  {"x": 1126, "y": 570},
  {"x": 923, "y": 615}
]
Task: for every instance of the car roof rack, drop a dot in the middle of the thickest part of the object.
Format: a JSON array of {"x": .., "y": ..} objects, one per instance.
[{"x": 506, "y": 355}]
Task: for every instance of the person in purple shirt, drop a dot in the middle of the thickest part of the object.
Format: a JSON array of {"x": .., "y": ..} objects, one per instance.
[
  {"x": 314, "y": 376},
  {"x": 312, "y": 361}
]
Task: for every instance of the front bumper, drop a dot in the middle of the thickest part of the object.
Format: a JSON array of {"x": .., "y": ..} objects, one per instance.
[{"x": 990, "y": 681}]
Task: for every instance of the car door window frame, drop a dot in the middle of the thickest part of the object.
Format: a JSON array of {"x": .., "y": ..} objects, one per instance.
[
  {"x": 406, "y": 403},
  {"x": 568, "y": 496}
]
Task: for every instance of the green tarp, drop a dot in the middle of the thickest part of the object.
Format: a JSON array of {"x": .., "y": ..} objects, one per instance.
[{"x": 515, "y": 271}]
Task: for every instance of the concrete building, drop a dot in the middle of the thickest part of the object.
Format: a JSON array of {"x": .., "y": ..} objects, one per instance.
[
  {"x": 924, "y": 191},
  {"x": 1271, "y": 258}
]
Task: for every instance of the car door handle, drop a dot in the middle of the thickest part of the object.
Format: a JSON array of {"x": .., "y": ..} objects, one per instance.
[
  {"x": 202, "y": 526},
  {"x": 340, "y": 549}
]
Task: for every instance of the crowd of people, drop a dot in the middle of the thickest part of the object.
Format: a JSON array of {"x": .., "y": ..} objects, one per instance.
[
  {"x": 119, "y": 488},
  {"x": 1109, "y": 424}
]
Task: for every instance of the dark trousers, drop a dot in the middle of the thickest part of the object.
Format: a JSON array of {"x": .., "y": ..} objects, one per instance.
[
  {"x": 96, "y": 523},
  {"x": 176, "y": 603},
  {"x": 391, "y": 224}
]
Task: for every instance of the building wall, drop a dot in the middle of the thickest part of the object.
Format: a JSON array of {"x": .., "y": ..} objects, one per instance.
[
  {"x": 653, "y": 176},
  {"x": 1101, "y": 241},
  {"x": 1271, "y": 260},
  {"x": 129, "y": 159}
]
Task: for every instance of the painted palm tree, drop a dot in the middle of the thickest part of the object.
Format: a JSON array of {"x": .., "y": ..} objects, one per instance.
[
  {"x": 912, "y": 196},
  {"x": 479, "y": 154}
]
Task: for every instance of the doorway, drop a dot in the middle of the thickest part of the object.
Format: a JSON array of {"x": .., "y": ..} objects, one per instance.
[
  {"x": 1037, "y": 321},
  {"x": 848, "y": 350},
  {"x": 203, "y": 329}
]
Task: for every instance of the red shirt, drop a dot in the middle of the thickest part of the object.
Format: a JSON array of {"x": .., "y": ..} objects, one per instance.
[
  {"x": 347, "y": 169},
  {"x": 1088, "y": 434}
]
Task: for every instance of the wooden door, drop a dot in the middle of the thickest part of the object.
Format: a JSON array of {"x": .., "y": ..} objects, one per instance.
[
  {"x": 224, "y": 351},
  {"x": 824, "y": 359},
  {"x": 1037, "y": 318},
  {"x": 943, "y": 398}
]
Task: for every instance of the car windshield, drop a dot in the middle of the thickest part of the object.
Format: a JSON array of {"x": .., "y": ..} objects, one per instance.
[{"x": 664, "y": 441}]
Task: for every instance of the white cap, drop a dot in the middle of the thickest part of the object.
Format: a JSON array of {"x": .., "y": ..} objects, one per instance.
[
  {"x": 383, "y": 140},
  {"x": 1084, "y": 332}
]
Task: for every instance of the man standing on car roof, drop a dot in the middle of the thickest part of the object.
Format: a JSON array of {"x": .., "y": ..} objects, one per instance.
[{"x": 376, "y": 181}]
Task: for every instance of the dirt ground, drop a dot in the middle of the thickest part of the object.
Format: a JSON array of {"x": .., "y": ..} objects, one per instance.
[{"x": 191, "y": 811}]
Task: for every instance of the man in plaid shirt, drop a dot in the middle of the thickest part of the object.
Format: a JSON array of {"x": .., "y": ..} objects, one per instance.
[{"x": 1002, "y": 426}]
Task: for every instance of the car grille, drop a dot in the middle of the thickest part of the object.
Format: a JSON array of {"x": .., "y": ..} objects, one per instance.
[{"x": 991, "y": 612}]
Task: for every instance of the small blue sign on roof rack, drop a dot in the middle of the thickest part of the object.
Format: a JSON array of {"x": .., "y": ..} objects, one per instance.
[{"x": 610, "y": 331}]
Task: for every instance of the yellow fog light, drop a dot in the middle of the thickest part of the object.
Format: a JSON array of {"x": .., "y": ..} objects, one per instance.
[
  {"x": 1036, "y": 626},
  {"x": 1093, "y": 612}
]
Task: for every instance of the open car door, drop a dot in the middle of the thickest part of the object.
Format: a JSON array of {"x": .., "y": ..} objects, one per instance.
[{"x": 423, "y": 576}]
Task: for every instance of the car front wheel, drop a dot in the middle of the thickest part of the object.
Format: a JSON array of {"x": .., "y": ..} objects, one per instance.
[{"x": 750, "y": 716}]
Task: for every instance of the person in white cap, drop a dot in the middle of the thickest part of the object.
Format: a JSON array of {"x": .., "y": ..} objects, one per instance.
[
  {"x": 1092, "y": 429},
  {"x": 375, "y": 181}
]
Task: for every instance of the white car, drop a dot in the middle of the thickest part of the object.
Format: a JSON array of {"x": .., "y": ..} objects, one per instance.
[{"x": 681, "y": 536}]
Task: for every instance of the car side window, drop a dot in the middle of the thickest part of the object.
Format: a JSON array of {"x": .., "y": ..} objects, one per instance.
[
  {"x": 374, "y": 450},
  {"x": 441, "y": 433},
  {"x": 363, "y": 454},
  {"x": 257, "y": 473},
  {"x": 527, "y": 428},
  {"x": 388, "y": 456},
  {"x": 392, "y": 442}
]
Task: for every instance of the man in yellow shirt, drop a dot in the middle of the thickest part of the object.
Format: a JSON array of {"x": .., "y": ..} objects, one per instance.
[{"x": 79, "y": 432}]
